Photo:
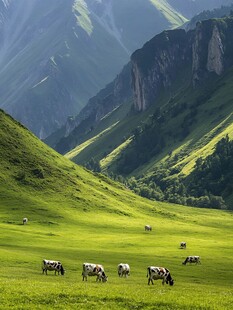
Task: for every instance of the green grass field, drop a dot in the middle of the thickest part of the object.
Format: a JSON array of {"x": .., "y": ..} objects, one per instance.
[
  {"x": 109, "y": 237},
  {"x": 76, "y": 216}
]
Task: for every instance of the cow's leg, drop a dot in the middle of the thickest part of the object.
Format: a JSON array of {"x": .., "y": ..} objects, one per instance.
[{"x": 150, "y": 280}]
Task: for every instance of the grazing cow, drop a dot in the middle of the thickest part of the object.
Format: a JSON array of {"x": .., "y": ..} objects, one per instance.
[
  {"x": 148, "y": 228},
  {"x": 94, "y": 270},
  {"x": 156, "y": 273},
  {"x": 123, "y": 270},
  {"x": 192, "y": 260},
  {"x": 183, "y": 245},
  {"x": 25, "y": 220},
  {"x": 52, "y": 265}
]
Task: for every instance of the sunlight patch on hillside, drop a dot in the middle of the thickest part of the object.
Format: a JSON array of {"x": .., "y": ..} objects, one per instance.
[
  {"x": 84, "y": 145},
  {"x": 82, "y": 15},
  {"x": 175, "y": 18},
  {"x": 107, "y": 161},
  {"x": 207, "y": 149}
]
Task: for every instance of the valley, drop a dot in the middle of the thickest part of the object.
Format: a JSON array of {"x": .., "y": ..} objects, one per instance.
[
  {"x": 178, "y": 112},
  {"x": 136, "y": 161},
  {"x": 77, "y": 216}
]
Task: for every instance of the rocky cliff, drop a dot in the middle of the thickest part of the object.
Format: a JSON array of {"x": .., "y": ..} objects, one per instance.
[
  {"x": 155, "y": 66},
  {"x": 202, "y": 51}
]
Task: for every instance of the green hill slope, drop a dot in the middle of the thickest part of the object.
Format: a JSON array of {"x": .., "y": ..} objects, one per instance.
[{"x": 76, "y": 216}]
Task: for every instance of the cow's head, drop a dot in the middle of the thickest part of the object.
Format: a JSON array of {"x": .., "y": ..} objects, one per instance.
[
  {"x": 169, "y": 280},
  {"x": 104, "y": 278},
  {"x": 62, "y": 271}
]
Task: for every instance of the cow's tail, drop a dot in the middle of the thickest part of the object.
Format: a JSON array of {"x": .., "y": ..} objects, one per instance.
[
  {"x": 62, "y": 271},
  {"x": 148, "y": 272}
]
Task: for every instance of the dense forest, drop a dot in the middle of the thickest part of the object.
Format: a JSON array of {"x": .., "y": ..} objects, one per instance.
[
  {"x": 210, "y": 182},
  {"x": 207, "y": 186}
]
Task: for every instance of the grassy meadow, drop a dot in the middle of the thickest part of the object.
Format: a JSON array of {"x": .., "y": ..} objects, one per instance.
[
  {"x": 76, "y": 216},
  {"x": 109, "y": 237}
]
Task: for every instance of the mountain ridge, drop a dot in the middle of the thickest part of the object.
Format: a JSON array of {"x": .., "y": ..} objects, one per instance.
[
  {"x": 53, "y": 56},
  {"x": 170, "y": 104}
]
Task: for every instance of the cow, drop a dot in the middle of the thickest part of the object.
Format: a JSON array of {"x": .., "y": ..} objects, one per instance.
[
  {"x": 192, "y": 260},
  {"x": 52, "y": 265},
  {"x": 148, "y": 228},
  {"x": 156, "y": 273},
  {"x": 123, "y": 270},
  {"x": 25, "y": 220},
  {"x": 94, "y": 270},
  {"x": 183, "y": 245}
]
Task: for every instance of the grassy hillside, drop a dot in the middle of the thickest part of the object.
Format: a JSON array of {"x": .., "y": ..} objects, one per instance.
[
  {"x": 77, "y": 216},
  {"x": 185, "y": 125}
]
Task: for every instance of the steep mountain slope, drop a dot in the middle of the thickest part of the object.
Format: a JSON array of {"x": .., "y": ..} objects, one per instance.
[
  {"x": 94, "y": 110},
  {"x": 182, "y": 108},
  {"x": 55, "y": 55}
]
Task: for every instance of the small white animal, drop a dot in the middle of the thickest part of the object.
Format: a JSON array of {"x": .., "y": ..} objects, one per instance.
[{"x": 25, "y": 220}]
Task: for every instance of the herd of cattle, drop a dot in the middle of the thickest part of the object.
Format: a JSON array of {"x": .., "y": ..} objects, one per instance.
[{"x": 153, "y": 273}]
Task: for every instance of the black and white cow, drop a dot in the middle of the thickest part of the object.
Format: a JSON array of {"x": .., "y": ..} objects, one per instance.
[
  {"x": 156, "y": 273},
  {"x": 52, "y": 265},
  {"x": 123, "y": 270},
  {"x": 25, "y": 220},
  {"x": 183, "y": 245},
  {"x": 94, "y": 270},
  {"x": 148, "y": 228},
  {"x": 192, "y": 260}
]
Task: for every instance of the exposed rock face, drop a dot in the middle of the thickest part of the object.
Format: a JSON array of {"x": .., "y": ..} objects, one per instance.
[
  {"x": 155, "y": 67},
  {"x": 205, "y": 50},
  {"x": 208, "y": 51},
  {"x": 215, "y": 53}
]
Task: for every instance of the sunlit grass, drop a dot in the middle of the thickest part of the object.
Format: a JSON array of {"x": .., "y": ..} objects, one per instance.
[{"x": 76, "y": 216}]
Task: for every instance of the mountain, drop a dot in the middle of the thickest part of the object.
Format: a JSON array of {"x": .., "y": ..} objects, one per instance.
[
  {"x": 76, "y": 128},
  {"x": 180, "y": 111},
  {"x": 55, "y": 55},
  {"x": 221, "y": 12},
  {"x": 190, "y": 8}
]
